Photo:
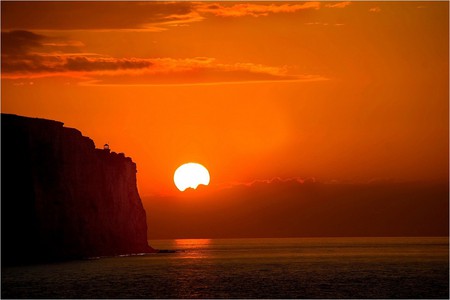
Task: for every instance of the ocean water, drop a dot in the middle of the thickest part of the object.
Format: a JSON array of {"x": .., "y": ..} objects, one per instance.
[{"x": 249, "y": 268}]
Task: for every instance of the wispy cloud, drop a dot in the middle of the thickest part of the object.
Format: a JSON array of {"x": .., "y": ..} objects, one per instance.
[
  {"x": 324, "y": 24},
  {"x": 178, "y": 19},
  {"x": 199, "y": 70},
  {"x": 339, "y": 4},
  {"x": 251, "y": 9}
]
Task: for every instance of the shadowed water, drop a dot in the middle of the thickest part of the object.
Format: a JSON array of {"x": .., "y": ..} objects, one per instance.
[{"x": 249, "y": 268}]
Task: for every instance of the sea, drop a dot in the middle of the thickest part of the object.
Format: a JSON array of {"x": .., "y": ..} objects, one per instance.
[{"x": 286, "y": 268}]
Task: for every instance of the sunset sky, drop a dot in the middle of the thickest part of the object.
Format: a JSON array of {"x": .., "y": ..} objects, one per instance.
[{"x": 334, "y": 92}]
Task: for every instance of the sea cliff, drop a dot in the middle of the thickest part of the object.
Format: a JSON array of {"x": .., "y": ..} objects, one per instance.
[{"x": 61, "y": 198}]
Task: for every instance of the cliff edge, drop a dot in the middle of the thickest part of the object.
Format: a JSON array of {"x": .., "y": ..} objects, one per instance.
[{"x": 63, "y": 199}]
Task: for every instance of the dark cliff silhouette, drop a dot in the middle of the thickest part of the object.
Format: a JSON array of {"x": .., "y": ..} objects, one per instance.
[{"x": 63, "y": 199}]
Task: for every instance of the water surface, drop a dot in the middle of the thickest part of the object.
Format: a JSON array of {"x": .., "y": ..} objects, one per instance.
[{"x": 249, "y": 268}]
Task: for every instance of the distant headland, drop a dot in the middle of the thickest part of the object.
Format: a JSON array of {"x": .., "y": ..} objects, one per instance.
[{"x": 64, "y": 199}]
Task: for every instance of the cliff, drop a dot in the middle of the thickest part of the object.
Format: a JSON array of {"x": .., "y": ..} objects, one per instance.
[{"x": 63, "y": 199}]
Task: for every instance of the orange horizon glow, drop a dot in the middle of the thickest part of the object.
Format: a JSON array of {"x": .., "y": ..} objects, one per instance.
[{"x": 344, "y": 92}]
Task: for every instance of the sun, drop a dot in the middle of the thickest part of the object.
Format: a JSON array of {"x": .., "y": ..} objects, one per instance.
[{"x": 190, "y": 175}]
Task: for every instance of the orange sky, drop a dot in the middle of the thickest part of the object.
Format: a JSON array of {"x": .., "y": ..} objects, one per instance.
[{"x": 337, "y": 91}]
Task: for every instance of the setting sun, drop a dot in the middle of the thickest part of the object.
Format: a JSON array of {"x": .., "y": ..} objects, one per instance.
[{"x": 190, "y": 175}]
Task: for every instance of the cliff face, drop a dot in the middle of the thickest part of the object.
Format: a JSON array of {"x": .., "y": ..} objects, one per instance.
[{"x": 61, "y": 198}]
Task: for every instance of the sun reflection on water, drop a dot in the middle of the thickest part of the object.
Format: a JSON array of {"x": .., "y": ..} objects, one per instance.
[
  {"x": 192, "y": 243},
  {"x": 193, "y": 248}
]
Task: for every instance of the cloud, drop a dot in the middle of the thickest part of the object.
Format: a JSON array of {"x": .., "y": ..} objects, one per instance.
[
  {"x": 274, "y": 180},
  {"x": 99, "y": 64},
  {"x": 18, "y": 42},
  {"x": 19, "y": 58},
  {"x": 178, "y": 19},
  {"x": 254, "y": 10},
  {"x": 65, "y": 44},
  {"x": 375, "y": 9},
  {"x": 37, "y": 66},
  {"x": 101, "y": 15},
  {"x": 29, "y": 55},
  {"x": 199, "y": 70},
  {"x": 294, "y": 180},
  {"x": 134, "y": 16},
  {"x": 339, "y": 4},
  {"x": 288, "y": 208},
  {"x": 324, "y": 24}
]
